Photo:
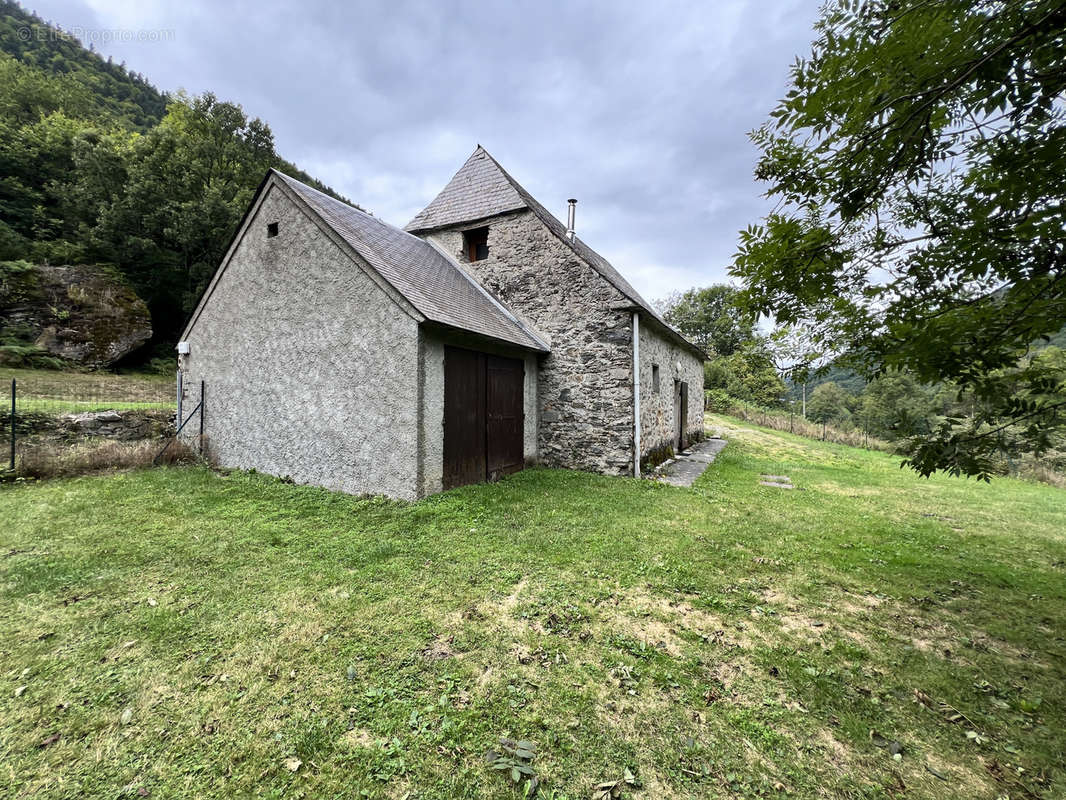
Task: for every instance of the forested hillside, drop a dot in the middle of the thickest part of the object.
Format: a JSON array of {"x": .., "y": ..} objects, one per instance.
[{"x": 99, "y": 166}]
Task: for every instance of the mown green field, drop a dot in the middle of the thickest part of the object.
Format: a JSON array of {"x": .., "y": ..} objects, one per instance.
[{"x": 178, "y": 632}]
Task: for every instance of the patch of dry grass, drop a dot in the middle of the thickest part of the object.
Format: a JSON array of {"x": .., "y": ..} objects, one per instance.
[{"x": 48, "y": 458}]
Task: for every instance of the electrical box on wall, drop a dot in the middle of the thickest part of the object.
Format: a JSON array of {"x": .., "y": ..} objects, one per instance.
[{"x": 183, "y": 348}]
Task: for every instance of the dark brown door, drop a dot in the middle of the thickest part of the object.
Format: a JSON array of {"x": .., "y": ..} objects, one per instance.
[
  {"x": 503, "y": 415},
  {"x": 464, "y": 417},
  {"x": 483, "y": 417},
  {"x": 682, "y": 419},
  {"x": 678, "y": 431}
]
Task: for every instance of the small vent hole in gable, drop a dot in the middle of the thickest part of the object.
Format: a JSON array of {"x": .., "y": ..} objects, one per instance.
[{"x": 272, "y": 230}]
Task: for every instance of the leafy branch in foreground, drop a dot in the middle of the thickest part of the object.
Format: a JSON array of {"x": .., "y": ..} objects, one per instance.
[{"x": 919, "y": 164}]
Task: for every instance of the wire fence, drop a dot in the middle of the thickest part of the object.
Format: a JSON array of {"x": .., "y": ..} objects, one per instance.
[{"x": 64, "y": 423}]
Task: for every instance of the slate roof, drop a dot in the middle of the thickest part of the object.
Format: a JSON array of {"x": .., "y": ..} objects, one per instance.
[
  {"x": 479, "y": 189},
  {"x": 482, "y": 189},
  {"x": 426, "y": 277}
]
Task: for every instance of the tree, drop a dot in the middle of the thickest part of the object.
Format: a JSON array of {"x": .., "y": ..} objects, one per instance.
[
  {"x": 187, "y": 183},
  {"x": 896, "y": 406},
  {"x": 711, "y": 318},
  {"x": 748, "y": 375},
  {"x": 828, "y": 403},
  {"x": 919, "y": 164}
]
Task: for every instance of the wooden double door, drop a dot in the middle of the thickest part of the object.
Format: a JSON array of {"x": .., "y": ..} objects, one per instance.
[{"x": 483, "y": 416}]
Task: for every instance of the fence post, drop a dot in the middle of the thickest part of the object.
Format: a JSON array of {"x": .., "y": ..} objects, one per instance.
[
  {"x": 202, "y": 418},
  {"x": 12, "y": 424}
]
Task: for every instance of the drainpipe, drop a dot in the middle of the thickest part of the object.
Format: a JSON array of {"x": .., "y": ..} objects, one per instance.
[{"x": 636, "y": 394}]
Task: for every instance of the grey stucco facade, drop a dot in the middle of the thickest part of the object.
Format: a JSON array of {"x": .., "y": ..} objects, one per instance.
[{"x": 309, "y": 366}]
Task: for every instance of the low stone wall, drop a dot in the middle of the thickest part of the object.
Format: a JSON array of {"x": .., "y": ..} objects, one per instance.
[{"x": 121, "y": 425}]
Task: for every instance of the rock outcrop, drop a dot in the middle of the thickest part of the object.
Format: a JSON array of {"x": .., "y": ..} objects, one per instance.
[{"x": 87, "y": 315}]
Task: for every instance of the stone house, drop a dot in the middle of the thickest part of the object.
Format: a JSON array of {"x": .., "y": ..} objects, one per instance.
[{"x": 341, "y": 351}]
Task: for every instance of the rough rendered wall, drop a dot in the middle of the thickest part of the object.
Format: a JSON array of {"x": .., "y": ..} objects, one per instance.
[
  {"x": 431, "y": 437},
  {"x": 311, "y": 370},
  {"x": 585, "y": 383},
  {"x": 657, "y": 423},
  {"x": 431, "y": 440}
]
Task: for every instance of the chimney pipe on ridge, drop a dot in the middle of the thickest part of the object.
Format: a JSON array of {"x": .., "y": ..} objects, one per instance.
[{"x": 570, "y": 218}]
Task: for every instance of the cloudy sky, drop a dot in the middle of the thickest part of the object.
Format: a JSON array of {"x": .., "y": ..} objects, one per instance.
[{"x": 638, "y": 109}]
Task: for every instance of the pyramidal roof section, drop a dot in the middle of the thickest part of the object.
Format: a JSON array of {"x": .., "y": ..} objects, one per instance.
[
  {"x": 479, "y": 189},
  {"x": 459, "y": 202}
]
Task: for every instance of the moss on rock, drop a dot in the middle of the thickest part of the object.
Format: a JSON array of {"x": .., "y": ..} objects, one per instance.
[{"x": 82, "y": 314}]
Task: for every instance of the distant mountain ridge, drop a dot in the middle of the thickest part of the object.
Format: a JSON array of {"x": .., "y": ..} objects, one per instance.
[{"x": 124, "y": 95}]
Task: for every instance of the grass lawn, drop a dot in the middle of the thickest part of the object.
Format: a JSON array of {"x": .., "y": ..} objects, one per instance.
[{"x": 180, "y": 633}]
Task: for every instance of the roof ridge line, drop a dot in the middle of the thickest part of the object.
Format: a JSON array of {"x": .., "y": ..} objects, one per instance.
[{"x": 538, "y": 209}]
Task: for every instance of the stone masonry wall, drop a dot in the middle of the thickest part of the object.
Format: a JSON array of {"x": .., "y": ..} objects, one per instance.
[
  {"x": 311, "y": 370},
  {"x": 585, "y": 383},
  {"x": 122, "y": 425},
  {"x": 657, "y": 423}
]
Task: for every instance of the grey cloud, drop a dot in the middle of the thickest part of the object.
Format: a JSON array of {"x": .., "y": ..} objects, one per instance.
[{"x": 640, "y": 110}]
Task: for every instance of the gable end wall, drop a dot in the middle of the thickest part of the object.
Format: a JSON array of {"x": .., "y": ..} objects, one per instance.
[
  {"x": 311, "y": 369},
  {"x": 585, "y": 390}
]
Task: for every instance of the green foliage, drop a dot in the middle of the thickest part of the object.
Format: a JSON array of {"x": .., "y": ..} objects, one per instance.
[
  {"x": 711, "y": 318},
  {"x": 19, "y": 286},
  {"x": 829, "y": 403},
  {"x": 718, "y": 401},
  {"x": 919, "y": 161},
  {"x": 748, "y": 374},
  {"x": 847, "y": 379},
  {"x": 102, "y": 87},
  {"x": 97, "y": 166},
  {"x": 895, "y": 406},
  {"x": 740, "y": 363},
  {"x": 18, "y": 283},
  {"x": 515, "y": 760},
  {"x": 180, "y": 192}
]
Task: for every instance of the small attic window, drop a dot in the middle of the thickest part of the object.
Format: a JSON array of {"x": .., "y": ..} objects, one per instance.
[
  {"x": 272, "y": 230},
  {"x": 655, "y": 378},
  {"x": 476, "y": 244}
]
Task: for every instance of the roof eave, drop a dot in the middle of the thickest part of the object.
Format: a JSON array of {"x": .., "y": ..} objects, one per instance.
[
  {"x": 473, "y": 337},
  {"x": 658, "y": 324},
  {"x": 466, "y": 223}
]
